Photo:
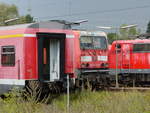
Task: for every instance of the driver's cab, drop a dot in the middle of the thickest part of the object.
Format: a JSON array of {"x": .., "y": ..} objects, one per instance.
[{"x": 94, "y": 49}]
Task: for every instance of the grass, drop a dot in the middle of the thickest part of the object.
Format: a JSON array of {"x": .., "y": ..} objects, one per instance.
[
  {"x": 85, "y": 102},
  {"x": 108, "y": 102}
]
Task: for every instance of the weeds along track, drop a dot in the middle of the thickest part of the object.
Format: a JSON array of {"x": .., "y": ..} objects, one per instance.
[{"x": 129, "y": 89}]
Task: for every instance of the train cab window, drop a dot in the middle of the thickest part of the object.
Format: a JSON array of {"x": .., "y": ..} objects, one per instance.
[
  {"x": 141, "y": 47},
  {"x": 118, "y": 48},
  {"x": 86, "y": 42},
  {"x": 93, "y": 42},
  {"x": 99, "y": 42},
  {"x": 8, "y": 56}
]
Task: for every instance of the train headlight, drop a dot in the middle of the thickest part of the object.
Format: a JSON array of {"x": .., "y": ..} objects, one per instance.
[
  {"x": 102, "y": 58},
  {"x": 86, "y": 58}
]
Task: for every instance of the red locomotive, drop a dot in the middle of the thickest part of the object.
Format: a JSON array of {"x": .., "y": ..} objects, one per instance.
[
  {"x": 48, "y": 51},
  {"x": 130, "y": 60}
]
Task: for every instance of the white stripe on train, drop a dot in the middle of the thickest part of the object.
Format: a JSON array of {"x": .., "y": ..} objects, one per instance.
[{"x": 12, "y": 82}]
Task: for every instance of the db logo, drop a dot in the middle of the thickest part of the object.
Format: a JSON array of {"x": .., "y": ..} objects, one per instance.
[{"x": 94, "y": 58}]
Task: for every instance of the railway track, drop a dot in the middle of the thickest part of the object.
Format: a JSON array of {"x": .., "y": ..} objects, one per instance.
[{"x": 129, "y": 88}]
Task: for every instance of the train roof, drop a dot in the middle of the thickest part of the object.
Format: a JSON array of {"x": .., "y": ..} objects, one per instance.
[
  {"x": 48, "y": 24},
  {"x": 52, "y": 25},
  {"x": 132, "y": 41}
]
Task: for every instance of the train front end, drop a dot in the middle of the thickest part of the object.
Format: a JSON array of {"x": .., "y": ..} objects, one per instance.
[{"x": 94, "y": 51}]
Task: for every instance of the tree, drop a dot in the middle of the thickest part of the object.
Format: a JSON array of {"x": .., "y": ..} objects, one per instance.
[
  {"x": 8, "y": 11},
  {"x": 123, "y": 34},
  {"x": 112, "y": 37},
  {"x": 128, "y": 33},
  {"x": 28, "y": 18},
  {"x": 23, "y": 19},
  {"x": 148, "y": 27}
]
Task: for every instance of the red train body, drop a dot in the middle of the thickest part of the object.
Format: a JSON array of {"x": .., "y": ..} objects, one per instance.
[
  {"x": 47, "y": 52},
  {"x": 130, "y": 59},
  {"x": 133, "y": 56}
]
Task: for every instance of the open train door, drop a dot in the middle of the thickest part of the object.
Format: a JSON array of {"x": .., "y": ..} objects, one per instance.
[
  {"x": 54, "y": 48},
  {"x": 51, "y": 59}
]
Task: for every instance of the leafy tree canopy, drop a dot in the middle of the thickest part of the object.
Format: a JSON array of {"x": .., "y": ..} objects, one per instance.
[
  {"x": 123, "y": 34},
  {"x": 128, "y": 33},
  {"x": 112, "y": 37},
  {"x": 8, "y": 12}
]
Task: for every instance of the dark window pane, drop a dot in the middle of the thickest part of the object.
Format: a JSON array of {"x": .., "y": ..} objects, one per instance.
[
  {"x": 8, "y": 56},
  {"x": 141, "y": 47},
  {"x": 10, "y": 49},
  {"x": 93, "y": 42},
  {"x": 99, "y": 43},
  {"x": 86, "y": 42}
]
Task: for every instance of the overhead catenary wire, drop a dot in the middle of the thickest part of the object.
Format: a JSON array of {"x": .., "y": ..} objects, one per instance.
[
  {"x": 70, "y": 14},
  {"x": 97, "y": 12}
]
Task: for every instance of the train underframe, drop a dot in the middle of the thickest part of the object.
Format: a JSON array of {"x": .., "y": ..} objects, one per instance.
[
  {"x": 89, "y": 79},
  {"x": 92, "y": 79},
  {"x": 96, "y": 80},
  {"x": 134, "y": 80}
]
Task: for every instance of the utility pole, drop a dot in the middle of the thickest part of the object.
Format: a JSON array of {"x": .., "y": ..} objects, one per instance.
[
  {"x": 68, "y": 94},
  {"x": 29, "y": 7}
]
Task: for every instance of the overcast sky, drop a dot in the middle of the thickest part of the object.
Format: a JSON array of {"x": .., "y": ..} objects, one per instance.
[{"x": 98, "y": 12}]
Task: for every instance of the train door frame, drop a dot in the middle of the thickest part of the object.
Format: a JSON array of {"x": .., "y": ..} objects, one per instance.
[{"x": 41, "y": 37}]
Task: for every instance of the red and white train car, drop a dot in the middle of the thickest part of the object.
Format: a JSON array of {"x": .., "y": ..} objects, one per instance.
[{"x": 47, "y": 52}]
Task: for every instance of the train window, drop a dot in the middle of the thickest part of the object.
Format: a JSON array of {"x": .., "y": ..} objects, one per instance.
[
  {"x": 99, "y": 42},
  {"x": 86, "y": 42},
  {"x": 141, "y": 47},
  {"x": 8, "y": 55},
  {"x": 93, "y": 42},
  {"x": 118, "y": 48}
]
